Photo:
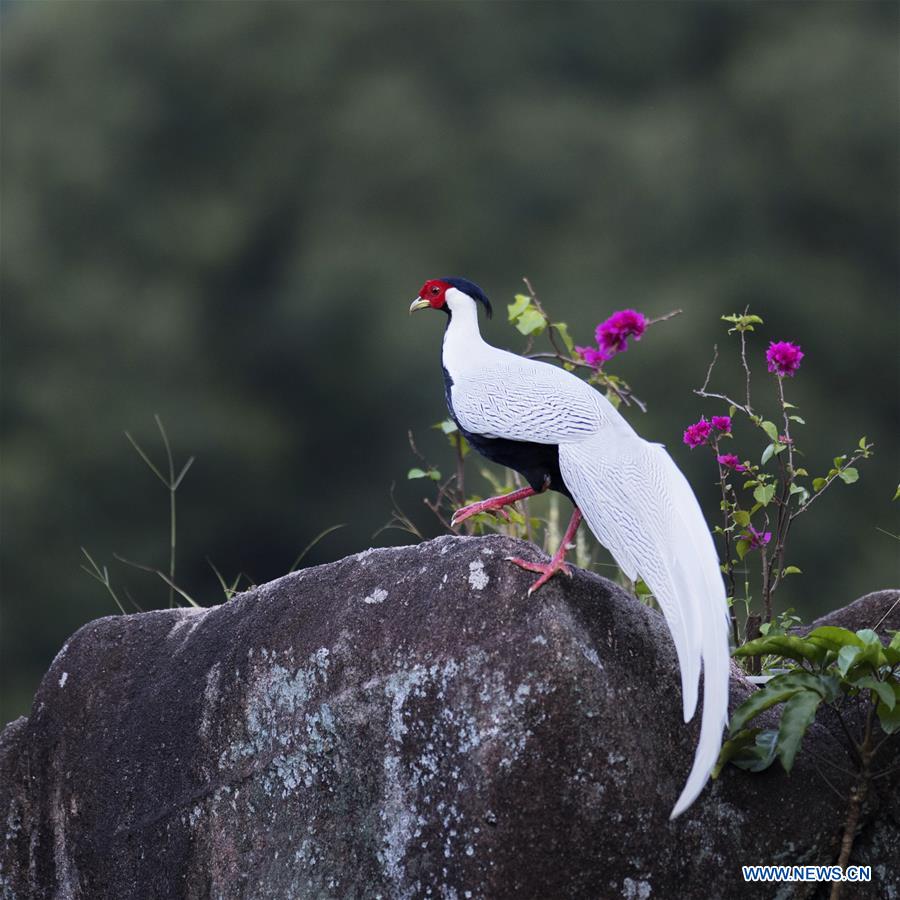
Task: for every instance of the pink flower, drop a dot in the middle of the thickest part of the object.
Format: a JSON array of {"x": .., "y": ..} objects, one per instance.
[
  {"x": 696, "y": 434},
  {"x": 783, "y": 358},
  {"x": 593, "y": 357},
  {"x": 612, "y": 335},
  {"x": 722, "y": 423},
  {"x": 730, "y": 461},
  {"x": 757, "y": 539}
]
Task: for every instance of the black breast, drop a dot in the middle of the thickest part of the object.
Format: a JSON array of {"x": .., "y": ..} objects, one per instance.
[{"x": 538, "y": 464}]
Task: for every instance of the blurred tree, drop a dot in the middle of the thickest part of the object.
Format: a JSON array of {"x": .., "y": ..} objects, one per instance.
[{"x": 219, "y": 213}]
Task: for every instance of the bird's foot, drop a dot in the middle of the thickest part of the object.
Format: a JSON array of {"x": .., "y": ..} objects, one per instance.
[
  {"x": 546, "y": 570},
  {"x": 493, "y": 505}
]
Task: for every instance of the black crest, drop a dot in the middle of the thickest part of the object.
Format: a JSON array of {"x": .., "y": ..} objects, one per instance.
[{"x": 472, "y": 289}]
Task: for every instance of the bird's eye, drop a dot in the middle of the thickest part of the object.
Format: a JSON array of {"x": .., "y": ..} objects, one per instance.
[{"x": 435, "y": 290}]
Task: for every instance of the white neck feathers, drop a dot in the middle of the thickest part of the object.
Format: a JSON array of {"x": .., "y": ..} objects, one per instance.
[{"x": 464, "y": 348}]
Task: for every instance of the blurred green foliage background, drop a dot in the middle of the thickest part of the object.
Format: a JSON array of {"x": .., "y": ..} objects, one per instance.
[{"x": 219, "y": 212}]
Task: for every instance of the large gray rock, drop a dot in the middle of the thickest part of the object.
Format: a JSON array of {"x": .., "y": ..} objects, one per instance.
[{"x": 402, "y": 723}]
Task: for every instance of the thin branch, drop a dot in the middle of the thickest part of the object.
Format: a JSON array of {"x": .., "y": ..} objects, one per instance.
[
  {"x": 702, "y": 392},
  {"x": 893, "y": 605},
  {"x": 827, "y": 781},
  {"x": 666, "y": 317},
  {"x": 859, "y": 454},
  {"x": 744, "y": 362}
]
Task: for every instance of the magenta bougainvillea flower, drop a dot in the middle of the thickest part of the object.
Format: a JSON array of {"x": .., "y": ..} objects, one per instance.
[
  {"x": 612, "y": 335},
  {"x": 756, "y": 538},
  {"x": 783, "y": 358},
  {"x": 730, "y": 461},
  {"x": 721, "y": 423},
  {"x": 696, "y": 434},
  {"x": 594, "y": 357}
]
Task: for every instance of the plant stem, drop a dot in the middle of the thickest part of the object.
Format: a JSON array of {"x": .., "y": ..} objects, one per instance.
[
  {"x": 729, "y": 566},
  {"x": 858, "y": 794}
]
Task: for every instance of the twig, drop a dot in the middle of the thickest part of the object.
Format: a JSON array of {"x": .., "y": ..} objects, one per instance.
[
  {"x": 827, "y": 781},
  {"x": 829, "y": 480},
  {"x": 537, "y": 305},
  {"x": 893, "y": 605},
  {"x": 702, "y": 392},
  {"x": 666, "y": 317},
  {"x": 744, "y": 362}
]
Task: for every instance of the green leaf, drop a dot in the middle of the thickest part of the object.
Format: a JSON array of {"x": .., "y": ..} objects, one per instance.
[
  {"x": 786, "y": 645},
  {"x": 515, "y": 309},
  {"x": 764, "y": 493},
  {"x": 731, "y": 748},
  {"x": 834, "y": 638},
  {"x": 791, "y": 570},
  {"x": 869, "y": 637},
  {"x": 797, "y": 716},
  {"x": 448, "y": 426},
  {"x": 849, "y": 475},
  {"x": 767, "y": 454},
  {"x": 881, "y": 688},
  {"x": 742, "y": 547},
  {"x": 563, "y": 330},
  {"x": 819, "y": 483},
  {"x": 797, "y": 419},
  {"x": 770, "y": 429},
  {"x": 838, "y": 460},
  {"x": 850, "y": 657},
  {"x": 889, "y": 719},
  {"x": 779, "y": 689},
  {"x": 531, "y": 322},
  {"x": 741, "y": 517},
  {"x": 761, "y": 755},
  {"x": 434, "y": 474},
  {"x": 896, "y": 493},
  {"x": 800, "y": 472}
]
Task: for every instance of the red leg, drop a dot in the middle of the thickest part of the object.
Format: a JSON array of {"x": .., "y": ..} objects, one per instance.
[
  {"x": 557, "y": 562},
  {"x": 492, "y": 504}
]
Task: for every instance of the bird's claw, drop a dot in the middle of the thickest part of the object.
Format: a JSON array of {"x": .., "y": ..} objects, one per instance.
[
  {"x": 546, "y": 570},
  {"x": 473, "y": 509}
]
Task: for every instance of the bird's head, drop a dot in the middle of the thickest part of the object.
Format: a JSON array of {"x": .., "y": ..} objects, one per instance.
[{"x": 448, "y": 294}]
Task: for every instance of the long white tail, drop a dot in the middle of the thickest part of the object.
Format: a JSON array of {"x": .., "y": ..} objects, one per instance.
[{"x": 642, "y": 509}]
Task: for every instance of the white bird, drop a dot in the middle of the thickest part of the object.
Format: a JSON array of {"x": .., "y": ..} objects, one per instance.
[{"x": 563, "y": 435}]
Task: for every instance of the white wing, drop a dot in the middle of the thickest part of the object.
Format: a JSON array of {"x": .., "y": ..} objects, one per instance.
[
  {"x": 641, "y": 508},
  {"x": 525, "y": 400}
]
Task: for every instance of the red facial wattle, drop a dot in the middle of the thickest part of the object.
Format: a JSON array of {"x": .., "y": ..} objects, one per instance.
[{"x": 433, "y": 291}]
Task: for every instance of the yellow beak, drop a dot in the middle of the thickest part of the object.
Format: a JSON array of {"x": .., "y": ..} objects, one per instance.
[{"x": 418, "y": 303}]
